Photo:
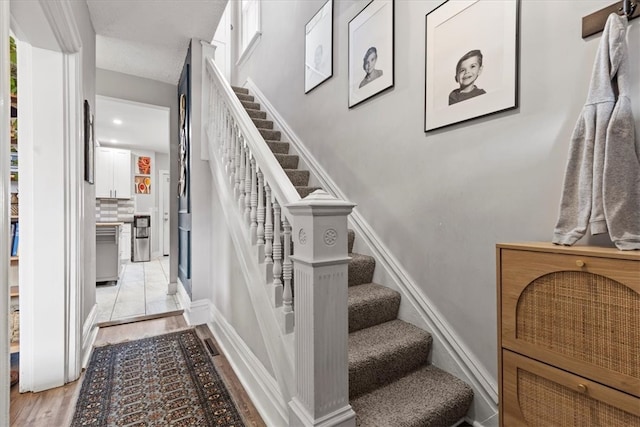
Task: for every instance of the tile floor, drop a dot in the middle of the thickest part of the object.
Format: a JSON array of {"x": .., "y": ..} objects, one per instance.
[{"x": 141, "y": 290}]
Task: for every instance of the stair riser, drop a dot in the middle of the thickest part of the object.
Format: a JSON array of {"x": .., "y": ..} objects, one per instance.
[
  {"x": 278, "y": 147},
  {"x": 271, "y": 135},
  {"x": 361, "y": 271},
  {"x": 250, "y": 105},
  {"x": 241, "y": 90},
  {"x": 305, "y": 191},
  {"x": 245, "y": 97},
  {"x": 263, "y": 124},
  {"x": 298, "y": 178},
  {"x": 373, "y": 313},
  {"x": 287, "y": 161},
  {"x": 257, "y": 114},
  {"x": 385, "y": 368}
]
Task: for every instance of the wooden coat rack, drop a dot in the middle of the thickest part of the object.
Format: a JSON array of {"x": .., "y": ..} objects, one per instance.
[{"x": 594, "y": 23}]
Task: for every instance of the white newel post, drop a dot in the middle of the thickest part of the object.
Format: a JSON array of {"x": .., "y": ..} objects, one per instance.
[{"x": 320, "y": 263}]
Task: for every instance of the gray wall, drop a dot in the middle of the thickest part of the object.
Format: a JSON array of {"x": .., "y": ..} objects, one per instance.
[
  {"x": 132, "y": 88},
  {"x": 442, "y": 200},
  {"x": 83, "y": 21}
]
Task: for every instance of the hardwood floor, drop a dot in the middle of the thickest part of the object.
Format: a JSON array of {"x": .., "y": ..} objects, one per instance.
[{"x": 55, "y": 407}]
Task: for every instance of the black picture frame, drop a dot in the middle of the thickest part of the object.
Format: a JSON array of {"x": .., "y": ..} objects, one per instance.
[
  {"x": 371, "y": 45},
  {"x": 89, "y": 145},
  {"x": 318, "y": 48},
  {"x": 488, "y": 61}
]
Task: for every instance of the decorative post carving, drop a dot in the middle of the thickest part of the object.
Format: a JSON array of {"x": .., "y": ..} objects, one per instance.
[
  {"x": 320, "y": 270},
  {"x": 277, "y": 256}
]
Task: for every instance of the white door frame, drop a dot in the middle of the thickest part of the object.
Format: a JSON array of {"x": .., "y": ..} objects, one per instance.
[
  {"x": 60, "y": 19},
  {"x": 163, "y": 197},
  {"x": 5, "y": 141}
]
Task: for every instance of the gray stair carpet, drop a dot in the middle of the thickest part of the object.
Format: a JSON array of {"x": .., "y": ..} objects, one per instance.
[{"x": 391, "y": 383}]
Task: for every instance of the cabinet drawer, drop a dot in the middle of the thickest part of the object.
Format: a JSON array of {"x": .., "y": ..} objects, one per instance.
[
  {"x": 580, "y": 313},
  {"x": 535, "y": 394}
]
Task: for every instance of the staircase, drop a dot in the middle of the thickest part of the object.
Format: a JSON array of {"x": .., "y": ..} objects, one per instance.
[{"x": 391, "y": 382}]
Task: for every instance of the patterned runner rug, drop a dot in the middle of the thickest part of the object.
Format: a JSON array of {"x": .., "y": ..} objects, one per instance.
[{"x": 168, "y": 380}]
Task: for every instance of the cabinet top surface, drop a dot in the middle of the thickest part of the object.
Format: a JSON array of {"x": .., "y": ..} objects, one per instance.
[
  {"x": 572, "y": 250},
  {"x": 108, "y": 224}
]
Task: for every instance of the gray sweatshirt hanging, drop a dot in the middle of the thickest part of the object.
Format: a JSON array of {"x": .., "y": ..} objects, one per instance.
[{"x": 602, "y": 179}]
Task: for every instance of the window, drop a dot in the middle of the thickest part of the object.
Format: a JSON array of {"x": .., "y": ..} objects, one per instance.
[{"x": 249, "y": 23}]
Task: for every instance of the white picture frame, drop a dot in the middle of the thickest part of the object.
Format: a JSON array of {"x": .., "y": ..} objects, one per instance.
[{"x": 318, "y": 48}]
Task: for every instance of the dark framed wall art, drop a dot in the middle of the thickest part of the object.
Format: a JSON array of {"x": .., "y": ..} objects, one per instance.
[
  {"x": 471, "y": 60},
  {"x": 318, "y": 47},
  {"x": 371, "y": 51},
  {"x": 89, "y": 145}
]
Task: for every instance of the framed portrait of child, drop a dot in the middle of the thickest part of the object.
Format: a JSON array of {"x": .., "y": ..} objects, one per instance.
[{"x": 471, "y": 61}]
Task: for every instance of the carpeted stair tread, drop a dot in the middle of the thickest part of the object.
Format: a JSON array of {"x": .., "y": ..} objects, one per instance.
[
  {"x": 304, "y": 191},
  {"x": 383, "y": 353},
  {"x": 351, "y": 237},
  {"x": 371, "y": 304},
  {"x": 361, "y": 269},
  {"x": 428, "y": 397},
  {"x": 256, "y": 114},
  {"x": 287, "y": 161},
  {"x": 299, "y": 178},
  {"x": 242, "y": 90},
  {"x": 271, "y": 135},
  {"x": 245, "y": 97},
  {"x": 250, "y": 105},
  {"x": 263, "y": 124}
]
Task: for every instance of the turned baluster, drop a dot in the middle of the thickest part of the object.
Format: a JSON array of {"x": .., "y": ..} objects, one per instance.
[
  {"x": 260, "y": 230},
  {"x": 253, "y": 215},
  {"x": 236, "y": 188},
  {"x": 232, "y": 153},
  {"x": 268, "y": 233},
  {"x": 277, "y": 256},
  {"x": 241, "y": 176},
  {"x": 287, "y": 268},
  {"x": 247, "y": 188}
]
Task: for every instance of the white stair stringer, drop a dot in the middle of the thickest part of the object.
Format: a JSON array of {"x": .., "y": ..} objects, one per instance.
[
  {"x": 448, "y": 352},
  {"x": 279, "y": 346}
]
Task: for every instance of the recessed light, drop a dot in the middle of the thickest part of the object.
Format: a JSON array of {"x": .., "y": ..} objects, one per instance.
[
  {"x": 117, "y": 121},
  {"x": 114, "y": 141}
]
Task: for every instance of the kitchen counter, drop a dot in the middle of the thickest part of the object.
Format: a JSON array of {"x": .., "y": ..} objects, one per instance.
[{"x": 108, "y": 224}]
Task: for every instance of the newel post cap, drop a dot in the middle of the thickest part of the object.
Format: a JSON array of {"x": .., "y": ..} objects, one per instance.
[{"x": 321, "y": 203}]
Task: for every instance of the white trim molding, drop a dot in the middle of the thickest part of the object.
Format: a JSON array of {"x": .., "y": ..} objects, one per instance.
[
  {"x": 89, "y": 334},
  {"x": 261, "y": 387},
  {"x": 63, "y": 24},
  {"x": 448, "y": 350},
  {"x": 195, "y": 312}
]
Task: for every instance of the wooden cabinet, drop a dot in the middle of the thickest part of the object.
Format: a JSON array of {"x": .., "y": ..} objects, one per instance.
[
  {"x": 113, "y": 173},
  {"x": 568, "y": 335}
]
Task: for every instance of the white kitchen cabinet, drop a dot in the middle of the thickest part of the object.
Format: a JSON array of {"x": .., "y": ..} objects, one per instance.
[{"x": 113, "y": 173}]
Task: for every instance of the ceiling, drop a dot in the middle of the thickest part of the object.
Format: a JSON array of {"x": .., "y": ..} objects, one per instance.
[
  {"x": 145, "y": 38},
  {"x": 125, "y": 124}
]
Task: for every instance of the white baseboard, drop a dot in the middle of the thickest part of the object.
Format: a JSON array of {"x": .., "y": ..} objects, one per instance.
[
  {"x": 448, "y": 349},
  {"x": 261, "y": 387},
  {"x": 89, "y": 334},
  {"x": 195, "y": 312}
]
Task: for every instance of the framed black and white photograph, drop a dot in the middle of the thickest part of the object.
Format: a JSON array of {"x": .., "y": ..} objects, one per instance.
[
  {"x": 89, "y": 144},
  {"x": 371, "y": 62},
  {"x": 318, "y": 47},
  {"x": 471, "y": 61}
]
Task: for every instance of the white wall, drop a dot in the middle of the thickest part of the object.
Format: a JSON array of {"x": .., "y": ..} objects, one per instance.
[
  {"x": 133, "y": 88},
  {"x": 442, "y": 200},
  {"x": 148, "y": 203}
]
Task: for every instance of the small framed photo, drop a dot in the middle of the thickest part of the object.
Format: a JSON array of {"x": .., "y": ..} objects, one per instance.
[
  {"x": 318, "y": 48},
  {"x": 371, "y": 61},
  {"x": 472, "y": 76},
  {"x": 89, "y": 145}
]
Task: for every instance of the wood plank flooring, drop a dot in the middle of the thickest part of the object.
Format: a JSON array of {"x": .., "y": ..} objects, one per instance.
[{"x": 56, "y": 407}]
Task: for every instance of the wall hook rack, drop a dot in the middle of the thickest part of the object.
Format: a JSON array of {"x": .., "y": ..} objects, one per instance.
[{"x": 594, "y": 23}]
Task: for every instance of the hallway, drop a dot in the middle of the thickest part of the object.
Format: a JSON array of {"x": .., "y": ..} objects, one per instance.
[{"x": 141, "y": 291}]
